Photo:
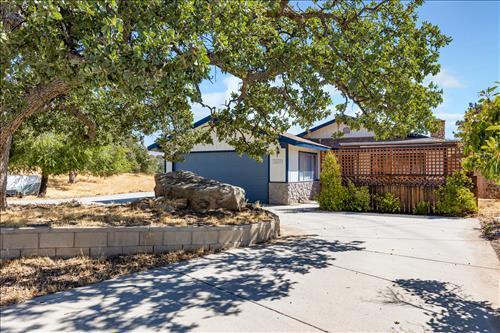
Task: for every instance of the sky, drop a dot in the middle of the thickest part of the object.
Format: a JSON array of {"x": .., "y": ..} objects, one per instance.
[{"x": 469, "y": 64}]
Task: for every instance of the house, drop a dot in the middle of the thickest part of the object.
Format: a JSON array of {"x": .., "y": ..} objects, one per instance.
[
  {"x": 412, "y": 168},
  {"x": 289, "y": 175},
  {"x": 362, "y": 156}
]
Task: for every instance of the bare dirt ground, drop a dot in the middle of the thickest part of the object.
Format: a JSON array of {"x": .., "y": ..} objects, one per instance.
[
  {"x": 87, "y": 186},
  {"x": 488, "y": 210}
]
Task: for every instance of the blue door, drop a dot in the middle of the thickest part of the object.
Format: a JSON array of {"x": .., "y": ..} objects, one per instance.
[{"x": 229, "y": 167}]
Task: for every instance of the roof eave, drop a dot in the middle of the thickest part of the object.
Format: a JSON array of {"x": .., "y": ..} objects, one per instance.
[
  {"x": 202, "y": 121},
  {"x": 285, "y": 140},
  {"x": 320, "y": 126}
]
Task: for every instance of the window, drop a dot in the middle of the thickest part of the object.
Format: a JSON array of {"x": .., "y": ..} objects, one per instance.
[{"x": 307, "y": 166}]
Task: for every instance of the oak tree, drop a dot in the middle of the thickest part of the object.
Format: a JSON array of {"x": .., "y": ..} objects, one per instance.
[
  {"x": 57, "y": 144},
  {"x": 139, "y": 64}
]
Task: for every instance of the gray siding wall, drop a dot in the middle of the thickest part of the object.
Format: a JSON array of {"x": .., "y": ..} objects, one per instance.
[{"x": 229, "y": 167}]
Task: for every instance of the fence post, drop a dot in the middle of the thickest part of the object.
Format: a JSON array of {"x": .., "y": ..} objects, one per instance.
[{"x": 475, "y": 189}]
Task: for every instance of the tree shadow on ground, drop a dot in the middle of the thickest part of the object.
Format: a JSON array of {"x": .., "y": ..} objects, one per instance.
[
  {"x": 162, "y": 299},
  {"x": 449, "y": 309}
]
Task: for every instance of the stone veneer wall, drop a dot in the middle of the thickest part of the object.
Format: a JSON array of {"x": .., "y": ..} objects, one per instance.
[
  {"x": 107, "y": 241},
  {"x": 290, "y": 193}
]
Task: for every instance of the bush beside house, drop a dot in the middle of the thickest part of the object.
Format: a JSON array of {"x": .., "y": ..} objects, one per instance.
[
  {"x": 387, "y": 203},
  {"x": 336, "y": 197},
  {"x": 332, "y": 195},
  {"x": 454, "y": 198},
  {"x": 423, "y": 208},
  {"x": 357, "y": 198}
]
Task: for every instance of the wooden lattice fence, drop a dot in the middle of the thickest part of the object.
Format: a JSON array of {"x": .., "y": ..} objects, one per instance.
[{"x": 410, "y": 172}]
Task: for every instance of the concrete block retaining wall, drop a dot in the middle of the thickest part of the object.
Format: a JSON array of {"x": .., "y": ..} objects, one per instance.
[{"x": 95, "y": 242}]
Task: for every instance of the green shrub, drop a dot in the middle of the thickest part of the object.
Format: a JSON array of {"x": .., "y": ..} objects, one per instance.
[
  {"x": 332, "y": 192},
  {"x": 357, "y": 198},
  {"x": 455, "y": 197},
  {"x": 423, "y": 208},
  {"x": 387, "y": 203},
  {"x": 139, "y": 159}
]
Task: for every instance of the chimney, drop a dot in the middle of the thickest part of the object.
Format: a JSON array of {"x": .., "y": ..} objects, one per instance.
[{"x": 439, "y": 133}]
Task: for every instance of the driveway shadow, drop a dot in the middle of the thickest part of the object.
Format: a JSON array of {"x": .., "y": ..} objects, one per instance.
[
  {"x": 448, "y": 308},
  {"x": 161, "y": 299}
]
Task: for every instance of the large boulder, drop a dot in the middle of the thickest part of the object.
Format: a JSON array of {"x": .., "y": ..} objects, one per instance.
[{"x": 201, "y": 193}]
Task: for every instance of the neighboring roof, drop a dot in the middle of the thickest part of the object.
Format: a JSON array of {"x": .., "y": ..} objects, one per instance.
[{"x": 284, "y": 138}]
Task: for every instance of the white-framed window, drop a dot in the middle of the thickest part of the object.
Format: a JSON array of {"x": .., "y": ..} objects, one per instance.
[{"x": 307, "y": 166}]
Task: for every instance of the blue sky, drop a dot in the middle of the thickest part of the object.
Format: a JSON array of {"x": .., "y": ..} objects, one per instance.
[{"x": 469, "y": 64}]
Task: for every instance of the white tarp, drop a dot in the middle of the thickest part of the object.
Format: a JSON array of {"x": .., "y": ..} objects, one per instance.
[{"x": 24, "y": 185}]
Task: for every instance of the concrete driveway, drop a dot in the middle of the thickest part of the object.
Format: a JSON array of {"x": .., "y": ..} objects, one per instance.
[{"x": 331, "y": 272}]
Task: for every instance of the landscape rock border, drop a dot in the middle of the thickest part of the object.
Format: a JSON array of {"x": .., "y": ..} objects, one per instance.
[{"x": 108, "y": 241}]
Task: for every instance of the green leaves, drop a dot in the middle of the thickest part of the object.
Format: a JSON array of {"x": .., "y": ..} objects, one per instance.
[
  {"x": 56, "y": 15},
  {"x": 332, "y": 193},
  {"x": 455, "y": 198},
  {"x": 480, "y": 134},
  {"x": 387, "y": 203},
  {"x": 56, "y": 153},
  {"x": 138, "y": 65}
]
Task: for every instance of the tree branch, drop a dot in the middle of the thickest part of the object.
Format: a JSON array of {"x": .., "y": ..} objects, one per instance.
[
  {"x": 86, "y": 120},
  {"x": 36, "y": 102},
  {"x": 301, "y": 17},
  {"x": 10, "y": 18}
]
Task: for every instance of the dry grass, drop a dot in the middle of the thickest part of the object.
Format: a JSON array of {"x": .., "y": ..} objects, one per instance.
[
  {"x": 147, "y": 212},
  {"x": 87, "y": 186},
  {"x": 23, "y": 279},
  {"x": 489, "y": 207},
  {"x": 488, "y": 210}
]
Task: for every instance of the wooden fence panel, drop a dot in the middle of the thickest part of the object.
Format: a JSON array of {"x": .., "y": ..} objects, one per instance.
[{"x": 412, "y": 173}]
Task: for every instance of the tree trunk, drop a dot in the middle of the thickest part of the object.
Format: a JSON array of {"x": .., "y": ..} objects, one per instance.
[
  {"x": 37, "y": 101},
  {"x": 72, "y": 177},
  {"x": 4, "y": 164},
  {"x": 43, "y": 185}
]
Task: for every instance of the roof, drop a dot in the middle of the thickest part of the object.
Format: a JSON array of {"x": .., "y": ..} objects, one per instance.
[
  {"x": 156, "y": 146},
  {"x": 296, "y": 140},
  {"x": 285, "y": 138},
  {"x": 334, "y": 120},
  {"x": 202, "y": 121},
  {"x": 405, "y": 142},
  {"x": 320, "y": 126},
  {"x": 315, "y": 128}
]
